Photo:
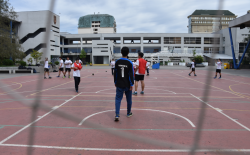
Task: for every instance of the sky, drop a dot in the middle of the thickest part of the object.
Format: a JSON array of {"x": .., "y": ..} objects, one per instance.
[{"x": 132, "y": 16}]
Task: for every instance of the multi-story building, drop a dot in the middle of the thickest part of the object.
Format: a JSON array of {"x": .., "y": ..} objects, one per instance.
[
  {"x": 209, "y": 21},
  {"x": 102, "y": 47},
  {"x": 31, "y": 32},
  {"x": 96, "y": 23}
]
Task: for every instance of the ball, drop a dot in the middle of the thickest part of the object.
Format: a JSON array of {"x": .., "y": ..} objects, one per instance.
[{"x": 93, "y": 74}]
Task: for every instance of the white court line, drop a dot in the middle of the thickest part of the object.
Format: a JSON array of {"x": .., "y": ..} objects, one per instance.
[
  {"x": 220, "y": 111},
  {"x": 140, "y": 109},
  {"x": 53, "y": 109},
  {"x": 127, "y": 150}
]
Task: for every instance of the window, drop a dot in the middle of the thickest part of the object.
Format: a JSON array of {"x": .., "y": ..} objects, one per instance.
[
  {"x": 104, "y": 51},
  {"x": 95, "y": 29},
  {"x": 172, "y": 40},
  {"x": 242, "y": 47},
  {"x": 211, "y": 40},
  {"x": 192, "y": 40}
]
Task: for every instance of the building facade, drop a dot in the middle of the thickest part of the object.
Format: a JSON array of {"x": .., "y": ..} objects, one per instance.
[
  {"x": 96, "y": 23},
  {"x": 32, "y": 29},
  {"x": 102, "y": 47},
  {"x": 209, "y": 21}
]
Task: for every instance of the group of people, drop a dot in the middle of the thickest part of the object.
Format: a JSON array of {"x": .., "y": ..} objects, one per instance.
[
  {"x": 218, "y": 69},
  {"x": 68, "y": 64}
]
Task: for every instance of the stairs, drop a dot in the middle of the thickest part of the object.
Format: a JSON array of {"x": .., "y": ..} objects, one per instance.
[{"x": 32, "y": 35}]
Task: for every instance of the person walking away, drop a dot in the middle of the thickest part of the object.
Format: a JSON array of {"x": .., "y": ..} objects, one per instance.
[
  {"x": 46, "y": 68},
  {"x": 148, "y": 64},
  {"x": 61, "y": 68},
  {"x": 124, "y": 81},
  {"x": 193, "y": 64},
  {"x": 76, "y": 73},
  {"x": 140, "y": 72},
  {"x": 218, "y": 70},
  {"x": 112, "y": 63},
  {"x": 68, "y": 64}
]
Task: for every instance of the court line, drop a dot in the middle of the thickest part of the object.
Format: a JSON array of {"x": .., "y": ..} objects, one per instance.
[
  {"x": 140, "y": 109},
  {"x": 218, "y": 110},
  {"x": 53, "y": 109},
  {"x": 13, "y": 89},
  {"x": 147, "y": 88},
  {"x": 57, "y": 86},
  {"x": 238, "y": 92},
  {"x": 209, "y": 85},
  {"x": 78, "y": 128},
  {"x": 128, "y": 150}
]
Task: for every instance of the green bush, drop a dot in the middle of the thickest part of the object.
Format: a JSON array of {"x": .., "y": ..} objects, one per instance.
[
  {"x": 183, "y": 60},
  {"x": 198, "y": 59},
  {"x": 8, "y": 62},
  {"x": 22, "y": 63},
  {"x": 57, "y": 63}
]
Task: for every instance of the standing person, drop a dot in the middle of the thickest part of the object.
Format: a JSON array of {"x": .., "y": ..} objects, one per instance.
[
  {"x": 112, "y": 63},
  {"x": 46, "y": 68},
  {"x": 148, "y": 64},
  {"x": 193, "y": 68},
  {"x": 134, "y": 64},
  {"x": 140, "y": 72},
  {"x": 76, "y": 73},
  {"x": 68, "y": 64},
  {"x": 218, "y": 70},
  {"x": 61, "y": 68},
  {"x": 124, "y": 81}
]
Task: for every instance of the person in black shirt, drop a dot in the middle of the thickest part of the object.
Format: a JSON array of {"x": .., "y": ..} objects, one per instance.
[{"x": 124, "y": 81}]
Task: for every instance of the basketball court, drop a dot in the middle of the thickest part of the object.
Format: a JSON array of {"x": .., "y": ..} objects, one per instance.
[{"x": 167, "y": 112}]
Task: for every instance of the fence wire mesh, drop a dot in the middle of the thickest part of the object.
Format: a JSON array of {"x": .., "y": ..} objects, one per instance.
[{"x": 37, "y": 104}]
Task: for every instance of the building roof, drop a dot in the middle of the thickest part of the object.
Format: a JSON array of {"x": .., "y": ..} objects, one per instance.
[
  {"x": 241, "y": 21},
  {"x": 213, "y": 12},
  {"x": 105, "y": 19}
]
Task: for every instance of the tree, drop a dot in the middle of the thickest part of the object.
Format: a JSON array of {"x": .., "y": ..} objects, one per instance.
[
  {"x": 36, "y": 55},
  {"x": 30, "y": 60},
  {"x": 9, "y": 42},
  {"x": 83, "y": 54}
]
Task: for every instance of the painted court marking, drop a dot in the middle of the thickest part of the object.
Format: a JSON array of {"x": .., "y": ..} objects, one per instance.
[
  {"x": 127, "y": 150},
  {"x": 53, "y": 109},
  {"x": 139, "y": 109},
  {"x": 220, "y": 111}
]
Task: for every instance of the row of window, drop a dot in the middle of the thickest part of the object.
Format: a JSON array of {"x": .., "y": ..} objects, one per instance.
[
  {"x": 96, "y": 22},
  {"x": 208, "y": 22},
  {"x": 95, "y": 25},
  {"x": 213, "y": 18},
  {"x": 190, "y": 40}
]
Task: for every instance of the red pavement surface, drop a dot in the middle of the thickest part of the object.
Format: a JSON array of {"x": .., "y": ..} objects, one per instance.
[{"x": 171, "y": 91}]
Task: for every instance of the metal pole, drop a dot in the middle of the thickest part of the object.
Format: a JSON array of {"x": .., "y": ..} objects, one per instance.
[
  {"x": 243, "y": 54},
  {"x": 232, "y": 47}
]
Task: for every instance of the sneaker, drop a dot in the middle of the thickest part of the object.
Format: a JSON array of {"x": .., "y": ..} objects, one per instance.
[
  {"x": 64, "y": 76},
  {"x": 215, "y": 77},
  {"x": 189, "y": 74},
  {"x": 69, "y": 77},
  {"x": 116, "y": 118},
  {"x": 45, "y": 78},
  {"x": 50, "y": 77},
  {"x": 135, "y": 93},
  {"x": 129, "y": 115},
  {"x": 219, "y": 78},
  {"x": 58, "y": 76},
  {"x": 195, "y": 75},
  {"x": 142, "y": 92},
  {"x": 76, "y": 91},
  {"x": 147, "y": 74}
]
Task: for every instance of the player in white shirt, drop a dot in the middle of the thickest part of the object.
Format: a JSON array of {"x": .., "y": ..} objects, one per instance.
[
  {"x": 68, "y": 64},
  {"x": 46, "y": 68},
  {"x": 112, "y": 64},
  {"x": 193, "y": 68},
  {"x": 148, "y": 64},
  {"x": 61, "y": 67},
  {"x": 218, "y": 70},
  {"x": 134, "y": 64},
  {"x": 76, "y": 73}
]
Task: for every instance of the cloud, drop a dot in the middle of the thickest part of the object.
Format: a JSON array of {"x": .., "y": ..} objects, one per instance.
[{"x": 132, "y": 16}]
